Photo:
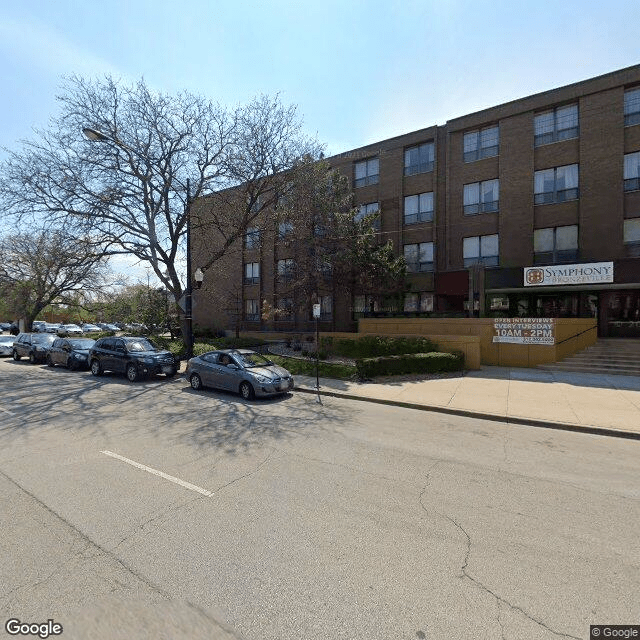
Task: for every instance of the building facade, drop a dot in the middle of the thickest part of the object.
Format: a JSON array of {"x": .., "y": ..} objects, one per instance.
[{"x": 530, "y": 208}]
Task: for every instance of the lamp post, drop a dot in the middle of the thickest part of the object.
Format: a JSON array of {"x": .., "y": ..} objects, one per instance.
[{"x": 94, "y": 135}]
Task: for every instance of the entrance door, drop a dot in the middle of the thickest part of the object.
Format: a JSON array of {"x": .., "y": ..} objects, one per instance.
[{"x": 621, "y": 313}]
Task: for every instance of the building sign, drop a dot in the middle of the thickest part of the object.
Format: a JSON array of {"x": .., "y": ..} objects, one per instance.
[
  {"x": 525, "y": 330},
  {"x": 588, "y": 273}
]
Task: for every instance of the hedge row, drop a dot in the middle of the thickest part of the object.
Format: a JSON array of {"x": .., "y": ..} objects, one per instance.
[
  {"x": 409, "y": 363},
  {"x": 375, "y": 346}
]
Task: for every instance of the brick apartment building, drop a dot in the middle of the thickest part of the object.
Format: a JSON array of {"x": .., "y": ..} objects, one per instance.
[{"x": 530, "y": 208}]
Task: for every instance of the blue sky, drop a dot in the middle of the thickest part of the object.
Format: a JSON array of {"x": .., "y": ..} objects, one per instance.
[{"x": 359, "y": 71}]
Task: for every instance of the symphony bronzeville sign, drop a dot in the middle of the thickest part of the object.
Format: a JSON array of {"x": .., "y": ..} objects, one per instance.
[{"x": 588, "y": 273}]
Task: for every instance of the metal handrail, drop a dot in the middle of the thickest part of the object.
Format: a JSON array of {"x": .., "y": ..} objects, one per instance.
[{"x": 577, "y": 334}]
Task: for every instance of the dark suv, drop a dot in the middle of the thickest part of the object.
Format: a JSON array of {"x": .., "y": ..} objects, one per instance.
[
  {"x": 34, "y": 346},
  {"x": 135, "y": 357}
]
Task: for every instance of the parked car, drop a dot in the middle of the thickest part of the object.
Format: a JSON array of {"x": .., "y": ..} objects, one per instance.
[
  {"x": 136, "y": 357},
  {"x": 5, "y": 326},
  {"x": 52, "y": 327},
  {"x": 240, "y": 370},
  {"x": 90, "y": 328},
  {"x": 6, "y": 345},
  {"x": 38, "y": 326},
  {"x": 73, "y": 329},
  {"x": 72, "y": 353},
  {"x": 34, "y": 346}
]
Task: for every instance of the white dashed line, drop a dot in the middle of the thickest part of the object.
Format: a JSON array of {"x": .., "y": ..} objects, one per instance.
[{"x": 155, "y": 472}]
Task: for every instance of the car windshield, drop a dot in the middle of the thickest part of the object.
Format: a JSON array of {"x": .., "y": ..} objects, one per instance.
[
  {"x": 140, "y": 345},
  {"x": 249, "y": 360},
  {"x": 82, "y": 344},
  {"x": 43, "y": 339}
]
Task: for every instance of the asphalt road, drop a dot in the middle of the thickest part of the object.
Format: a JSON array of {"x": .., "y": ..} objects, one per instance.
[{"x": 150, "y": 510}]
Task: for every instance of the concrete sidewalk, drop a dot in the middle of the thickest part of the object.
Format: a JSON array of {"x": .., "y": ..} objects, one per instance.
[{"x": 593, "y": 403}]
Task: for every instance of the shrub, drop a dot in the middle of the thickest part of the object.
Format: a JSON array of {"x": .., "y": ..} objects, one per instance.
[
  {"x": 409, "y": 363},
  {"x": 376, "y": 346}
]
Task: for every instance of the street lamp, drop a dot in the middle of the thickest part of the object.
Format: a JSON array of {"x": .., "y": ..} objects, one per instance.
[{"x": 94, "y": 135}]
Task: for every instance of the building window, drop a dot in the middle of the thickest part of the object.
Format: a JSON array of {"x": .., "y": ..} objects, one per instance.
[
  {"x": 252, "y": 272},
  {"x": 251, "y": 311},
  {"x": 285, "y": 229},
  {"x": 632, "y": 171},
  {"x": 365, "y": 304},
  {"x": 369, "y": 209},
  {"x": 410, "y": 302},
  {"x": 418, "y": 159},
  {"x": 419, "y": 257},
  {"x": 284, "y": 309},
  {"x": 324, "y": 268},
  {"x": 418, "y": 208},
  {"x": 632, "y": 237},
  {"x": 481, "y": 197},
  {"x": 326, "y": 307},
  {"x": 286, "y": 270},
  {"x": 555, "y": 245},
  {"x": 632, "y": 107},
  {"x": 367, "y": 172},
  {"x": 556, "y": 125},
  {"x": 252, "y": 238},
  {"x": 556, "y": 185},
  {"x": 481, "y": 250},
  {"x": 481, "y": 144}
]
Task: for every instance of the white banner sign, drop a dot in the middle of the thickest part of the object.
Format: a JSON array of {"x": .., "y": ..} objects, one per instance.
[
  {"x": 525, "y": 330},
  {"x": 587, "y": 273}
]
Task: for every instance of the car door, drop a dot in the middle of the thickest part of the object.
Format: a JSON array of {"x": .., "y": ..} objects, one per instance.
[
  {"x": 56, "y": 353},
  {"x": 119, "y": 356},
  {"x": 229, "y": 374},
  {"x": 104, "y": 352},
  {"x": 208, "y": 370}
]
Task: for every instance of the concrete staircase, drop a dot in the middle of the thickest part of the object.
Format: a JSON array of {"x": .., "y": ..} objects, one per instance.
[{"x": 618, "y": 356}]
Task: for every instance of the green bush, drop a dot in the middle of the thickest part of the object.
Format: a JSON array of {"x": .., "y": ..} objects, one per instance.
[
  {"x": 298, "y": 366},
  {"x": 376, "y": 346},
  {"x": 409, "y": 363}
]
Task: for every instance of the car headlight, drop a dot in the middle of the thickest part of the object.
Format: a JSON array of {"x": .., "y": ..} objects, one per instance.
[
  {"x": 148, "y": 361},
  {"x": 261, "y": 379}
]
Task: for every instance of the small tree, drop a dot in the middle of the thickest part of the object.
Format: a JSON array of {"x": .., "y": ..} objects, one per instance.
[{"x": 47, "y": 265}]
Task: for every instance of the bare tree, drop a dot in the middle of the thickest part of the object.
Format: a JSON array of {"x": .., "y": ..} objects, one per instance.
[
  {"x": 129, "y": 185},
  {"x": 40, "y": 267}
]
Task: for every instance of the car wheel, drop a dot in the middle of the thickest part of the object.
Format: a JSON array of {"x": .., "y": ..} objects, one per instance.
[
  {"x": 16, "y": 357},
  {"x": 96, "y": 369},
  {"x": 132, "y": 372},
  {"x": 246, "y": 391},
  {"x": 49, "y": 361},
  {"x": 196, "y": 382},
  {"x": 32, "y": 358}
]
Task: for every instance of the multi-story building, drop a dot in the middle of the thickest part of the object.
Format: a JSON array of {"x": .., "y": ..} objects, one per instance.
[{"x": 530, "y": 208}]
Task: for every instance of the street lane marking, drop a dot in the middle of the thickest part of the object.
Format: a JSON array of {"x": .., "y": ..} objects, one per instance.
[{"x": 155, "y": 472}]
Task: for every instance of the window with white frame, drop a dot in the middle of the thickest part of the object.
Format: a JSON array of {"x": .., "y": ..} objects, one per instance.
[
  {"x": 366, "y": 172},
  {"x": 481, "y": 144},
  {"x": 418, "y": 208},
  {"x": 285, "y": 229},
  {"x": 284, "y": 309},
  {"x": 632, "y": 107},
  {"x": 481, "y": 197},
  {"x": 418, "y": 159},
  {"x": 481, "y": 250},
  {"x": 426, "y": 302},
  {"x": 252, "y": 272},
  {"x": 286, "y": 269},
  {"x": 555, "y": 245},
  {"x": 419, "y": 257},
  {"x": 556, "y": 185},
  {"x": 410, "y": 302},
  {"x": 369, "y": 209},
  {"x": 632, "y": 237},
  {"x": 252, "y": 238},
  {"x": 251, "y": 310},
  {"x": 632, "y": 171},
  {"x": 365, "y": 304},
  {"x": 558, "y": 124}
]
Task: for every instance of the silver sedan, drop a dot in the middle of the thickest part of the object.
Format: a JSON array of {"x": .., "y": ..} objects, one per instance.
[
  {"x": 239, "y": 370},
  {"x": 6, "y": 345}
]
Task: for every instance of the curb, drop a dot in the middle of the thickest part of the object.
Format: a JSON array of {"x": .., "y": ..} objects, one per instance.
[{"x": 529, "y": 422}]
